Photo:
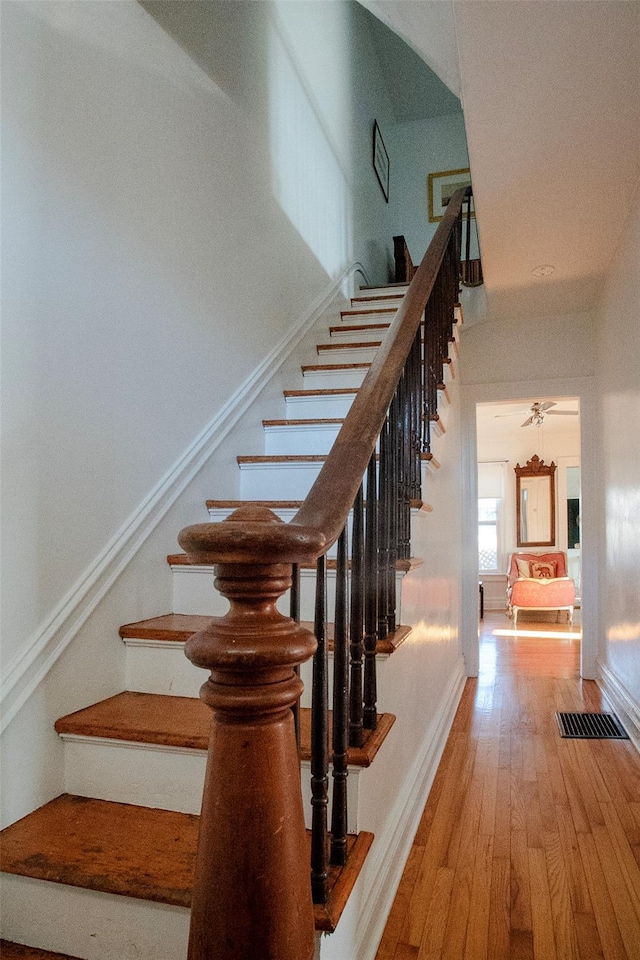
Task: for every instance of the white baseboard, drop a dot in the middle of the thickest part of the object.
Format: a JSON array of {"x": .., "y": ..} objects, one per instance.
[
  {"x": 392, "y": 848},
  {"x": 627, "y": 708},
  {"x": 44, "y": 647}
]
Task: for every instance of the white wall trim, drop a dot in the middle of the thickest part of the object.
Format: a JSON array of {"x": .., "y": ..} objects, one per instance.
[
  {"x": 391, "y": 849},
  {"x": 621, "y": 700},
  {"x": 23, "y": 674}
]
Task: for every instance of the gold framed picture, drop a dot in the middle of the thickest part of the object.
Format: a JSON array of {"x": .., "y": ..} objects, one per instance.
[{"x": 441, "y": 186}]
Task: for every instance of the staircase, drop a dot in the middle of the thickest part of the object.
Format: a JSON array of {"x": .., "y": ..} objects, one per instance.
[{"x": 104, "y": 872}]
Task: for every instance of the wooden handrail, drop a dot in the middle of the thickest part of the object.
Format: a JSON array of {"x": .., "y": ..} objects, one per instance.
[{"x": 319, "y": 521}]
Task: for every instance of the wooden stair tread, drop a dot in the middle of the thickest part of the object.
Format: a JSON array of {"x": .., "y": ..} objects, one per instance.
[
  {"x": 329, "y": 367},
  {"x": 365, "y": 345},
  {"x": 303, "y": 423},
  {"x": 138, "y": 852},
  {"x": 309, "y": 458},
  {"x": 388, "y": 296},
  {"x": 361, "y": 311},
  {"x": 20, "y": 951},
  {"x": 284, "y": 458},
  {"x": 178, "y": 627},
  {"x": 314, "y": 392},
  {"x": 288, "y": 504},
  {"x": 185, "y": 722},
  {"x": 183, "y": 560},
  {"x": 354, "y": 328}
]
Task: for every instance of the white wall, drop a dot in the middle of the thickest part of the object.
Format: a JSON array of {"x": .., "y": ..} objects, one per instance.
[
  {"x": 151, "y": 261},
  {"x": 619, "y": 449},
  {"x": 418, "y": 148}
]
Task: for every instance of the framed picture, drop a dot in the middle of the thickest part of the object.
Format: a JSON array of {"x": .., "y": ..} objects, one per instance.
[
  {"x": 380, "y": 160},
  {"x": 441, "y": 186}
]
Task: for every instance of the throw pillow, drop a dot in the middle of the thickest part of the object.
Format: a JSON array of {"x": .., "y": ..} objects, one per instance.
[
  {"x": 524, "y": 568},
  {"x": 543, "y": 570}
]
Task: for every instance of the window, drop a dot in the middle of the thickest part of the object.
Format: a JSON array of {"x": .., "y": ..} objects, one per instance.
[
  {"x": 488, "y": 510},
  {"x": 491, "y": 486}
]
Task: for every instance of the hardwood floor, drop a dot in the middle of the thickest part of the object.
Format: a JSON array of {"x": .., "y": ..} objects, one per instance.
[{"x": 529, "y": 845}]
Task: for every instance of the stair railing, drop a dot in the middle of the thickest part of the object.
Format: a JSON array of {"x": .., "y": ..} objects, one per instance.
[{"x": 251, "y": 888}]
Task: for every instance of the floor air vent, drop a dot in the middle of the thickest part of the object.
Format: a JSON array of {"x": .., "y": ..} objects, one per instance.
[{"x": 591, "y": 726}]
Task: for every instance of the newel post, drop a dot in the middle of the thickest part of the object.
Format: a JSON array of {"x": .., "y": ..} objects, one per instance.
[{"x": 252, "y": 893}]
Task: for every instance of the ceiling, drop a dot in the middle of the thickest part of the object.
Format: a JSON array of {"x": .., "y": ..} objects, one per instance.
[
  {"x": 416, "y": 92},
  {"x": 502, "y": 422},
  {"x": 551, "y": 98}
]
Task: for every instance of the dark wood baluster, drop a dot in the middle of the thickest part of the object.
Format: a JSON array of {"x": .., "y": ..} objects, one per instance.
[
  {"x": 369, "y": 717},
  {"x": 340, "y": 732},
  {"x": 294, "y": 613},
  {"x": 431, "y": 367},
  {"x": 425, "y": 388},
  {"x": 405, "y": 491},
  {"x": 320, "y": 744},
  {"x": 415, "y": 393},
  {"x": 467, "y": 252},
  {"x": 384, "y": 507},
  {"x": 394, "y": 511},
  {"x": 356, "y": 625}
]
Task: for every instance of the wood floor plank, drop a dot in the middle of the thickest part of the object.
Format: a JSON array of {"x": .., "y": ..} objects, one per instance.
[
  {"x": 477, "y": 941},
  {"x": 396, "y": 919},
  {"x": 544, "y": 943},
  {"x": 612, "y": 943},
  {"x": 529, "y": 845},
  {"x": 434, "y": 928}
]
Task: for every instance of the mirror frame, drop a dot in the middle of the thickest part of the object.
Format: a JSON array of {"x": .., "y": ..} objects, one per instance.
[{"x": 536, "y": 468}]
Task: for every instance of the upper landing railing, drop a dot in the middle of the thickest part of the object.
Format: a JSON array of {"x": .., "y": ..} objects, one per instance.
[{"x": 252, "y": 888}]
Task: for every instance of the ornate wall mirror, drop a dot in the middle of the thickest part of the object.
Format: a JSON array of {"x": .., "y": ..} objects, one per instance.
[{"x": 536, "y": 503}]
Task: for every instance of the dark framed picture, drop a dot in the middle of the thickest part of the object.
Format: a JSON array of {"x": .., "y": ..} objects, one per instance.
[{"x": 380, "y": 160}]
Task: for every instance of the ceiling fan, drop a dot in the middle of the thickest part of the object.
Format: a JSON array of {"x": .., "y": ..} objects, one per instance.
[{"x": 538, "y": 412}]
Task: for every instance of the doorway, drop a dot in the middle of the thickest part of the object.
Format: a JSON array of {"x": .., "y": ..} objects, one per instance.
[{"x": 502, "y": 432}]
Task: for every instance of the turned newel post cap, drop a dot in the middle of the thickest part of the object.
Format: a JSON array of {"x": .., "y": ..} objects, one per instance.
[{"x": 252, "y": 534}]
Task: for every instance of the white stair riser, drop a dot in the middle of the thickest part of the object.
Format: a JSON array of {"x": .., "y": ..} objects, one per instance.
[
  {"x": 382, "y": 291},
  {"x": 345, "y": 335},
  {"x": 157, "y": 666},
  {"x": 372, "y": 303},
  {"x": 348, "y": 354},
  {"x": 367, "y": 317},
  {"x": 168, "y": 778},
  {"x": 280, "y": 481},
  {"x": 318, "y": 407},
  {"x": 295, "y": 439},
  {"x": 333, "y": 379},
  {"x": 194, "y": 592},
  {"x": 85, "y": 923}
]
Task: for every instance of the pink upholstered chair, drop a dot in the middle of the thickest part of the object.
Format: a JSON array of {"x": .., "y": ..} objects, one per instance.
[{"x": 539, "y": 581}]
